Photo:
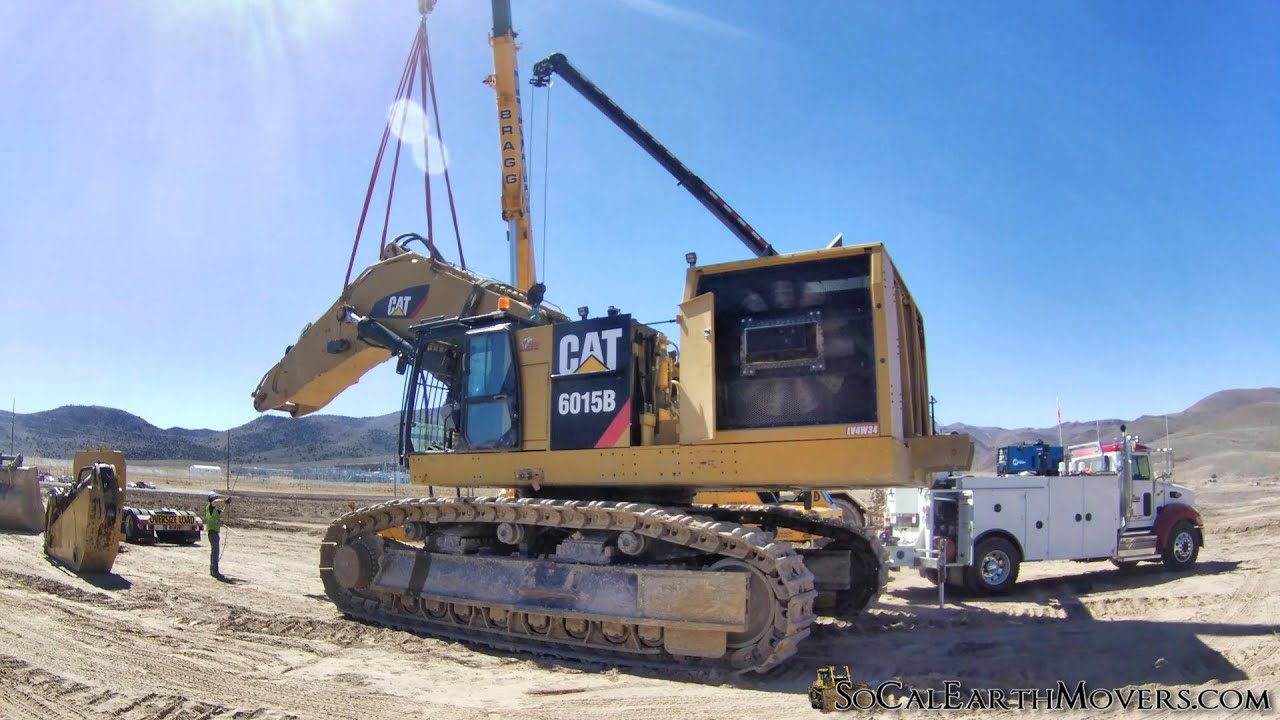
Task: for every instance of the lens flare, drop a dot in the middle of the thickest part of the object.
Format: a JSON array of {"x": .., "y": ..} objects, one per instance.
[
  {"x": 408, "y": 121},
  {"x": 439, "y": 155}
]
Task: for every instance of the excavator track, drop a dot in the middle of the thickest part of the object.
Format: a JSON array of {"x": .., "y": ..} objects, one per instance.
[{"x": 780, "y": 589}]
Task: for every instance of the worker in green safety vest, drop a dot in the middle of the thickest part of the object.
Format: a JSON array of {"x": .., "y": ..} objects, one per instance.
[{"x": 213, "y": 525}]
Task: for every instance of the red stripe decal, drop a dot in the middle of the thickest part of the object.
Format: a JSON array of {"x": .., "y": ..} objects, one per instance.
[
  {"x": 621, "y": 422},
  {"x": 418, "y": 308}
]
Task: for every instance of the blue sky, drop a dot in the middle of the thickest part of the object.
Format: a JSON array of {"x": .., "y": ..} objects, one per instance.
[{"x": 1083, "y": 197}]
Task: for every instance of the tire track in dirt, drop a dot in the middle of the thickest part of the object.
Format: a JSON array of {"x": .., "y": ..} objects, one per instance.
[
  {"x": 226, "y": 674},
  {"x": 209, "y": 680}
]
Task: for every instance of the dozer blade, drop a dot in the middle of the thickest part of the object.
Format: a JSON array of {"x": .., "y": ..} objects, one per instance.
[
  {"x": 82, "y": 524},
  {"x": 20, "y": 506}
]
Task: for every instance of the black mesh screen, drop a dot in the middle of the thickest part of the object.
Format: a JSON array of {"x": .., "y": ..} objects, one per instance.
[{"x": 810, "y": 356}]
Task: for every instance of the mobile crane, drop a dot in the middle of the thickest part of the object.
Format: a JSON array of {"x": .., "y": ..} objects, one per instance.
[{"x": 795, "y": 372}]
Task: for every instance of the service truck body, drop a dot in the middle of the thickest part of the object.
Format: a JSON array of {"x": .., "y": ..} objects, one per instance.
[{"x": 986, "y": 526}]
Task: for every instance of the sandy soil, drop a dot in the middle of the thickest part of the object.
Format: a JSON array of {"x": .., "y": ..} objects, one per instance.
[{"x": 159, "y": 638}]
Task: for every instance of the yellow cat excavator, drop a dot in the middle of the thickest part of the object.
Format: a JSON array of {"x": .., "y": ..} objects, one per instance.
[
  {"x": 82, "y": 523},
  {"x": 794, "y": 373}
]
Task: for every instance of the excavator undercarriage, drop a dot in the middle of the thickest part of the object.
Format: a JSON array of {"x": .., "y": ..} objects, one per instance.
[{"x": 598, "y": 580}]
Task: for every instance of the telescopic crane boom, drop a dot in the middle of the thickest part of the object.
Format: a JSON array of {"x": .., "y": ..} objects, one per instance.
[
  {"x": 558, "y": 64},
  {"x": 505, "y": 81}
]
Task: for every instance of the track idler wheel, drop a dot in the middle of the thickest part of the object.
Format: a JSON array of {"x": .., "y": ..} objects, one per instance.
[
  {"x": 760, "y": 604},
  {"x": 355, "y": 564}
]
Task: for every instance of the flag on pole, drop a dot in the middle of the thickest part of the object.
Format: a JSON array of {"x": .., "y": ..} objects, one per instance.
[{"x": 1058, "y": 402}]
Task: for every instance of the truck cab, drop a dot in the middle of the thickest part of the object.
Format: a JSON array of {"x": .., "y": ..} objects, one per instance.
[{"x": 1106, "y": 504}]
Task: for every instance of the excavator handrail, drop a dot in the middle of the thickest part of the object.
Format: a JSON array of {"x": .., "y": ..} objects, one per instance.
[{"x": 558, "y": 64}]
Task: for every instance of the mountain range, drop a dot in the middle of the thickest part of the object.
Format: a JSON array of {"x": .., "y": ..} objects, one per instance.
[
  {"x": 267, "y": 439},
  {"x": 1229, "y": 433}
]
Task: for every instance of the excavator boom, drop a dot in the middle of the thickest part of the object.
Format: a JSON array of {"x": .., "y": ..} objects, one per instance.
[{"x": 370, "y": 322}]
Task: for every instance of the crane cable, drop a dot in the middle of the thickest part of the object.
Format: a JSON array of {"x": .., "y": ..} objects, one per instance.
[
  {"x": 377, "y": 164},
  {"x": 448, "y": 184},
  {"x": 417, "y": 67},
  {"x": 546, "y": 161},
  {"x": 546, "y": 165},
  {"x": 403, "y": 110}
]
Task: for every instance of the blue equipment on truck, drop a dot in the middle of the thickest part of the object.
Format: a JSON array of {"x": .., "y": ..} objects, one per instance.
[{"x": 1037, "y": 459}]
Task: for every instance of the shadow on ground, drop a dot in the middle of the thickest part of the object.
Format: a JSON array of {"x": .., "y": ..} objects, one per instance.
[
  {"x": 1055, "y": 639},
  {"x": 1103, "y": 579},
  {"x": 102, "y": 581}
]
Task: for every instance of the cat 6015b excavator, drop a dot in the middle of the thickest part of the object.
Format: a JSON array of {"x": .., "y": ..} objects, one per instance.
[{"x": 794, "y": 372}]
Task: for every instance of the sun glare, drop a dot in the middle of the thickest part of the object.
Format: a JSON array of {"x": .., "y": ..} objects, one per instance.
[
  {"x": 409, "y": 123},
  {"x": 266, "y": 27}
]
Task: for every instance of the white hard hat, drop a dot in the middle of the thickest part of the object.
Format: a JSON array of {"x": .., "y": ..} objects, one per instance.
[{"x": 213, "y": 496}]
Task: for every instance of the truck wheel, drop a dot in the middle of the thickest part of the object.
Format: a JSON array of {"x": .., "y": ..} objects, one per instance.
[
  {"x": 1183, "y": 547},
  {"x": 995, "y": 567},
  {"x": 130, "y": 529}
]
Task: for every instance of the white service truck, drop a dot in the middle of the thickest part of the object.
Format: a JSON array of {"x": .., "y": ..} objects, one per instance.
[{"x": 1106, "y": 505}]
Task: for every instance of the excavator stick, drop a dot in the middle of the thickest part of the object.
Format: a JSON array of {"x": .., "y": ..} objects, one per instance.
[
  {"x": 82, "y": 523},
  {"x": 20, "y": 506},
  {"x": 370, "y": 322}
]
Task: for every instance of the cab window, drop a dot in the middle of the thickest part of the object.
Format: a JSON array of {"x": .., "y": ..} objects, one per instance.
[
  {"x": 1141, "y": 467},
  {"x": 491, "y": 392}
]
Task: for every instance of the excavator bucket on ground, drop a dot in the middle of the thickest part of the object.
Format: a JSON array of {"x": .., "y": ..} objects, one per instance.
[
  {"x": 20, "y": 506},
  {"x": 82, "y": 523}
]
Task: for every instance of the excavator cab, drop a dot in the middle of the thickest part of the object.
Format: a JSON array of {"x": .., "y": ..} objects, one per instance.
[{"x": 462, "y": 393}]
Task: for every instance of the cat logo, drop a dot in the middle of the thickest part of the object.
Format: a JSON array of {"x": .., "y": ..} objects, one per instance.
[
  {"x": 403, "y": 304},
  {"x": 594, "y": 351},
  {"x": 398, "y": 305}
]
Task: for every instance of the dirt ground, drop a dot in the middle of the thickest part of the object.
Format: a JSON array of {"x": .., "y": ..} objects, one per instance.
[{"x": 159, "y": 638}]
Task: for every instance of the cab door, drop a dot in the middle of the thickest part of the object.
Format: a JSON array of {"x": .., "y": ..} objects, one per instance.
[{"x": 490, "y": 403}]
